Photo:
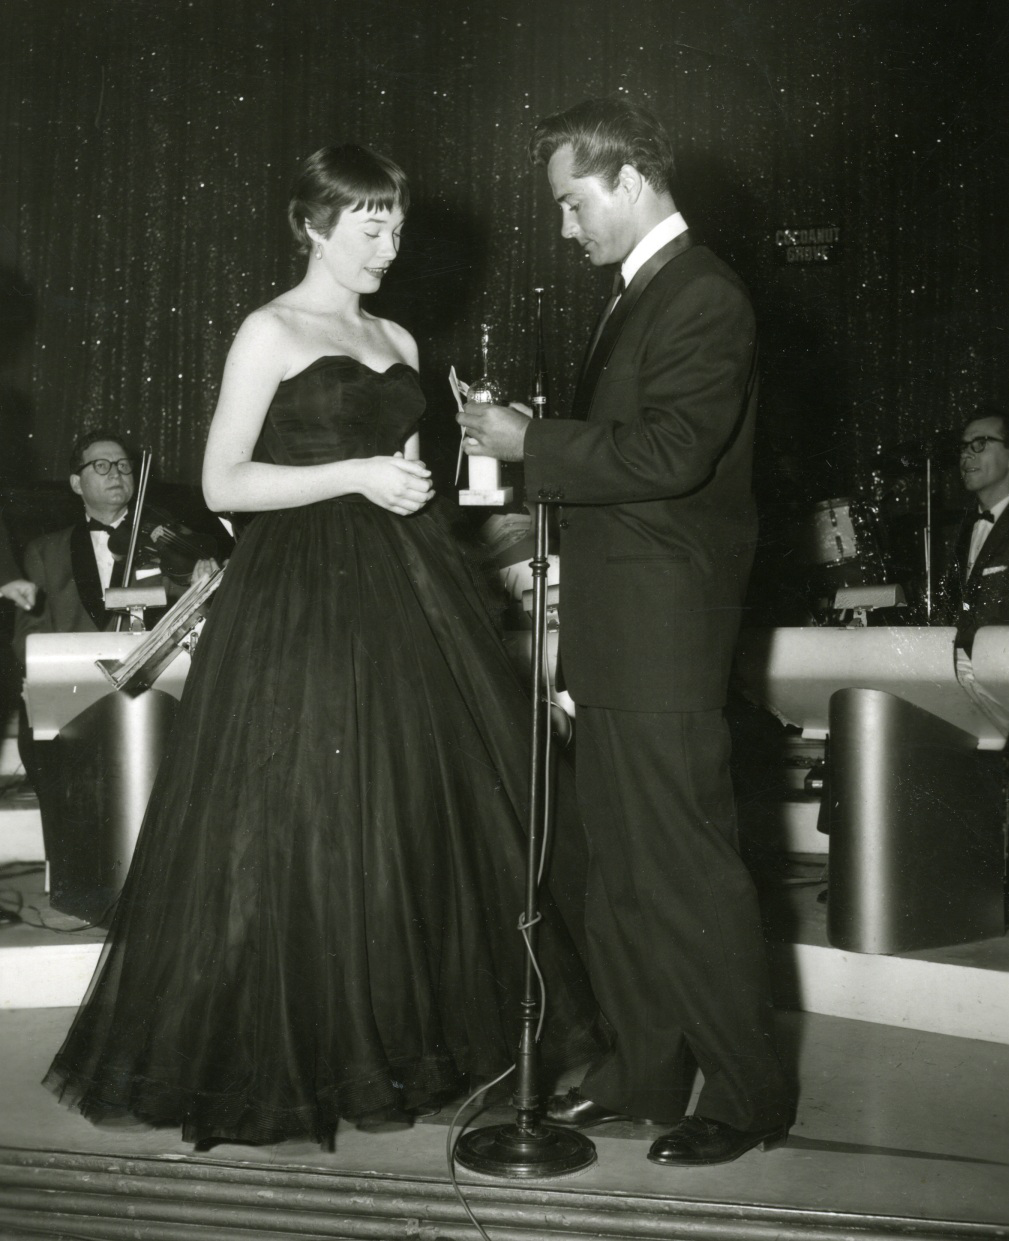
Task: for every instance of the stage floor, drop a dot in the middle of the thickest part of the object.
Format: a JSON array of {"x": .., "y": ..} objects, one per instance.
[
  {"x": 900, "y": 1132},
  {"x": 897, "y": 1131}
]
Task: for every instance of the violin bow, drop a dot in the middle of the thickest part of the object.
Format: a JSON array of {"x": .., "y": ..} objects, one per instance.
[{"x": 146, "y": 458}]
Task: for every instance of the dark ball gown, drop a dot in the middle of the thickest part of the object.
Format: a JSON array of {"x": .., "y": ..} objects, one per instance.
[{"x": 320, "y": 918}]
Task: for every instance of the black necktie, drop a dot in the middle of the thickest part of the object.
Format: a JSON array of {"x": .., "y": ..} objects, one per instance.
[
  {"x": 99, "y": 525},
  {"x": 615, "y": 295},
  {"x": 984, "y": 515}
]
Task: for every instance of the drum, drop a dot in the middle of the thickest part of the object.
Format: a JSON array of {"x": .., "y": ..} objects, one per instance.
[{"x": 838, "y": 532}]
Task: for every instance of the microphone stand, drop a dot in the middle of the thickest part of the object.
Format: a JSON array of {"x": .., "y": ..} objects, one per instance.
[
  {"x": 928, "y": 539},
  {"x": 527, "y": 1147}
]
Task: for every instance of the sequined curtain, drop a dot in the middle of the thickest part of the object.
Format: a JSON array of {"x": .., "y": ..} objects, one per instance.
[{"x": 147, "y": 146}]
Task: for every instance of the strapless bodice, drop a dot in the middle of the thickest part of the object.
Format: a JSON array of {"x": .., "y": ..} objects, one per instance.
[{"x": 338, "y": 408}]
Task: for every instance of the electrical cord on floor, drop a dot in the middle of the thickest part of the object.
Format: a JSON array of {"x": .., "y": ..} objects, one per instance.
[
  {"x": 770, "y": 873},
  {"x": 452, "y": 1140},
  {"x": 17, "y": 870},
  {"x": 13, "y": 907}
]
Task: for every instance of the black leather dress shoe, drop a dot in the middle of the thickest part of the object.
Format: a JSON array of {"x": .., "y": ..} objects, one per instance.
[
  {"x": 574, "y": 1111},
  {"x": 693, "y": 1142}
]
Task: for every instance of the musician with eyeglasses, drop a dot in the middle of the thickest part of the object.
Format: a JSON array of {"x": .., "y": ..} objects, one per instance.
[
  {"x": 975, "y": 589},
  {"x": 74, "y": 567},
  {"x": 71, "y": 569}
]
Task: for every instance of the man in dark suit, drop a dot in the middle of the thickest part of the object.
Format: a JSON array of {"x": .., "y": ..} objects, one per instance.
[
  {"x": 71, "y": 569},
  {"x": 13, "y": 585},
  {"x": 976, "y": 585},
  {"x": 652, "y": 476}
]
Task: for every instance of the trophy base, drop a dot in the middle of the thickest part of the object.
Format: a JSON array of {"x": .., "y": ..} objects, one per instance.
[{"x": 494, "y": 498}]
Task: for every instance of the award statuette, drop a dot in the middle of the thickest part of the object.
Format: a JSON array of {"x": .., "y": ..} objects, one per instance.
[{"x": 484, "y": 472}]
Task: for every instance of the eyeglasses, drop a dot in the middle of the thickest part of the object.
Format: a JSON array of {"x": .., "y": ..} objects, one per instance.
[
  {"x": 977, "y": 445},
  {"x": 123, "y": 465}
]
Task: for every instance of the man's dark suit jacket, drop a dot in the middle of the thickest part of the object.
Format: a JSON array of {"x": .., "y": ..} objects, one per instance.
[
  {"x": 659, "y": 523},
  {"x": 982, "y": 598},
  {"x": 9, "y": 569},
  {"x": 63, "y": 566}
]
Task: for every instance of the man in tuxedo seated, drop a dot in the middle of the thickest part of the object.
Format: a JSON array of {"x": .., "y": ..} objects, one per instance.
[
  {"x": 71, "y": 570},
  {"x": 976, "y": 586},
  {"x": 73, "y": 567}
]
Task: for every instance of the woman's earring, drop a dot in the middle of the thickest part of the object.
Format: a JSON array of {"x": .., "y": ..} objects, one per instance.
[{"x": 318, "y": 251}]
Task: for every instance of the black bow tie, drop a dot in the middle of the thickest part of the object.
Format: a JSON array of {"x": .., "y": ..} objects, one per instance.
[
  {"x": 99, "y": 525},
  {"x": 984, "y": 515}
]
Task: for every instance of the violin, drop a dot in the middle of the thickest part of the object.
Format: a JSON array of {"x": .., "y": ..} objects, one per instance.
[
  {"x": 163, "y": 542},
  {"x": 168, "y": 545}
]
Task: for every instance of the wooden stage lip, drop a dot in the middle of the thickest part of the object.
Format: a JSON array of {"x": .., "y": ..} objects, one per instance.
[{"x": 104, "y": 1197}]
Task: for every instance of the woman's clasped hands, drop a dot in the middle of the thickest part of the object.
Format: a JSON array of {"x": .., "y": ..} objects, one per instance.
[{"x": 396, "y": 483}]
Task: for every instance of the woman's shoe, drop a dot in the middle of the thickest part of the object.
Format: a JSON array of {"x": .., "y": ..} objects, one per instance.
[{"x": 386, "y": 1120}]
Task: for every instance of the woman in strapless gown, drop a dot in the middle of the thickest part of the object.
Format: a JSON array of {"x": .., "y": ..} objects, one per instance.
[{"x": 320, "y": 918}]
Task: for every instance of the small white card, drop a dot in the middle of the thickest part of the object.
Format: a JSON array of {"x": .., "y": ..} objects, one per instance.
[{"x": 460, "y": 391}]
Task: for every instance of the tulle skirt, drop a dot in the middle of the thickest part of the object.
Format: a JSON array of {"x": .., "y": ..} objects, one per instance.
[{"x": 320, "y": 918}]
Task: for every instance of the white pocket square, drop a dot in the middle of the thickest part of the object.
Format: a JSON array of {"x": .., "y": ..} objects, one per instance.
[{"x": 994, "y": 568}]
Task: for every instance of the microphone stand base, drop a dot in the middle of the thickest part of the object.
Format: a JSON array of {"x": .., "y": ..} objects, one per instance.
[
  {"x": 534, "y": 1151},
  {"x": 489, "y": 499}
]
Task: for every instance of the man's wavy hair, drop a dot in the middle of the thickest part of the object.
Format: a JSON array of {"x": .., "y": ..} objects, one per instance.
[
  {"x": 93, "y": 436},
  {"x": 989, "y": 410},
  {"x": 336, "y": 178},
  {"x": 604, "y": 135}
]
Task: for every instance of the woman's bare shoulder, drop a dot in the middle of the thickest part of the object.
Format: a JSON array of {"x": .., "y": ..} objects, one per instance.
[
  {"x": 400, "y": 339},
  {"x": 269, "y": 327}
]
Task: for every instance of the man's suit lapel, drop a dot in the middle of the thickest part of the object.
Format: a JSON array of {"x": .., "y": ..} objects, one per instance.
[
  {"x": 85, "y": 571},
  {"x": 596, "y": 360},
  {"x": 994, "y": 550},
  {"x": 961, "y": 548}
]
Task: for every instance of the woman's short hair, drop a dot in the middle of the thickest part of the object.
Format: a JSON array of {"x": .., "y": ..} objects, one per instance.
[
  {"x": 604, "y": 135},
  {"x": 338, "y": 177}
]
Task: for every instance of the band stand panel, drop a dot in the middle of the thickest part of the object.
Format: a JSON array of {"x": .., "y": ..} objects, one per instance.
[
  {"x": 794, "y": 671},
  {"x": 110, "y": 754},
  {"x": 916, "y": 806},
  {"x": 916, "y": 829},
  {"x": 63, "y": 677},
  {"x": 990, "y": 660},
  {"x": 108, "y": 747}
]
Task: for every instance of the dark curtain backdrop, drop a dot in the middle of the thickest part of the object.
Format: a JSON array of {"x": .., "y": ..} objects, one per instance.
[{"x": 147, "y": 147}]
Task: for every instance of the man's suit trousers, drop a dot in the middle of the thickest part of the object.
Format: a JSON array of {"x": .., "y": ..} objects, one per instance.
[{"x": 676, "y": 950}]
